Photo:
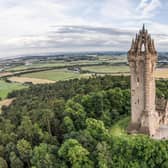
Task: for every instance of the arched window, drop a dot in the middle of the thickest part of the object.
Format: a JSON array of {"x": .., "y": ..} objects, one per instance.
[{"x": 143, "y": 47}]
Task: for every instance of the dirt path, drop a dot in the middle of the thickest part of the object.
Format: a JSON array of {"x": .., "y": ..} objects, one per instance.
[
  {"x": 6, "y": 102},
  {"x": 3, "y": 74}
]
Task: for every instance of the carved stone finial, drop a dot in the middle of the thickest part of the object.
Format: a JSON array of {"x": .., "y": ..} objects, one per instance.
[
  {"x": 143, "y": 28},
  {"x": 132, "y": 45}
]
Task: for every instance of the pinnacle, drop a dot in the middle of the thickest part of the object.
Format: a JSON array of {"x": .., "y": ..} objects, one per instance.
[{"x": 143, "y": 28}]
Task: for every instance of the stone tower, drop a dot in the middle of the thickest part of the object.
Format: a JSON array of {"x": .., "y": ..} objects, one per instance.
[{"x": 142, "y": 58}]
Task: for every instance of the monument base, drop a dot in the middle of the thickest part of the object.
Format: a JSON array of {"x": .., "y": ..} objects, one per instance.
[
  {"x": 161, "y": 133},
  {"x": 137, "y": 128},
  {"x": 133, "y": 128}
]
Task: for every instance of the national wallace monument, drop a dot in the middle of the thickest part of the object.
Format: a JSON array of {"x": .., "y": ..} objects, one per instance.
[{"x": 149, "y": 115}]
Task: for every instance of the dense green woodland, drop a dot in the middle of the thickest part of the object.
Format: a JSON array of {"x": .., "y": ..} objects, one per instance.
[{"x": 68, "y": 124}]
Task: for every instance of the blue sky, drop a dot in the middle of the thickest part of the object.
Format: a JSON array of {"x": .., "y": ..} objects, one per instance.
[{"x": 45, "y": 26}]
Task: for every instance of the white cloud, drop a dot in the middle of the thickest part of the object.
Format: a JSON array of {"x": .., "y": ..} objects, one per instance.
[
  {"x": 148, "y": 8},
  {"x": 28, "y": 26},
  {"x": 120, "y": 9}
]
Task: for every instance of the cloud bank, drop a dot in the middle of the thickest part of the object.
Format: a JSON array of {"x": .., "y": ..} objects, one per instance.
[{"x": 32, "y": 27}]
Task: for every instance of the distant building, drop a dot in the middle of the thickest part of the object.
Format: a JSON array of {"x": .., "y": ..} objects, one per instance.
[
  {"x": 149, "y": 115},
  {"x": 75, "y": 69},
  {"x": 27, "y": 63}
]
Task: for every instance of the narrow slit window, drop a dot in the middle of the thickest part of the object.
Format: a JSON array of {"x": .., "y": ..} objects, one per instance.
[{"x": 137, "y": 81}]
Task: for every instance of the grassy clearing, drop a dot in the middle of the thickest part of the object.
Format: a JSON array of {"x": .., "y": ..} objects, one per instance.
[
  {"x": 119, "y": 128},
  {"x": 55, "y": 75},
  {"x": 107, "y": 69},
  {"x": 5, "y": 88}
]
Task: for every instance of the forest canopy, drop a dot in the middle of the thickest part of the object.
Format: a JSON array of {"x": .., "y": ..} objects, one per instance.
[{"x": 71, "y": 124}]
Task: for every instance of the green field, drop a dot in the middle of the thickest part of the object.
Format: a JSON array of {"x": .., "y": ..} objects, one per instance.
[
  {"x": 53, "y": 64},
  {"x": 64, "y": 74},
  {"x": 5, "y": 88},
  {"x": 55, "y": 75},
  {"x": 37, "y": 65},
  {"x": 61, "y": 63},
  {"x": 107, "y": 69}
]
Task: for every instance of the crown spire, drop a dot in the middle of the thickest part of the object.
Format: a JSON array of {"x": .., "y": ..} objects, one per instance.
[
  {"x": 143, "y": 42},
  {"x": 143, "y": 28}
]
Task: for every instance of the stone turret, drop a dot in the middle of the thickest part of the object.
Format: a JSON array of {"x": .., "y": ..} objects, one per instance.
[{"x": 142, "y": 58}]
